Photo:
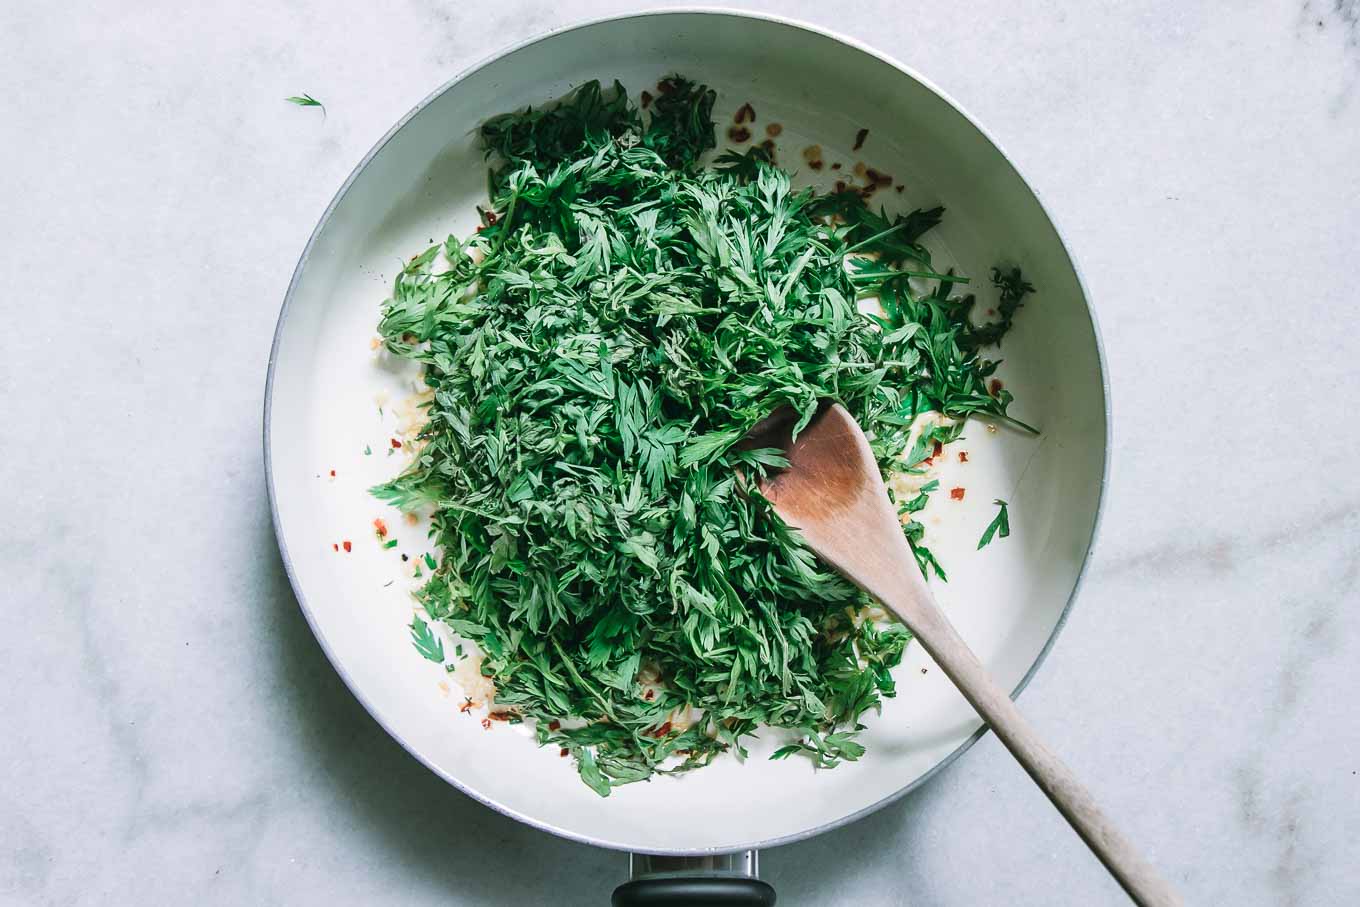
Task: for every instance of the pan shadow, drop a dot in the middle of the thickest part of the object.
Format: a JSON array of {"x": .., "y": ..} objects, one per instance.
[
  {"x": 403, "y": 813},
  {"x": 815, "y": 871}
]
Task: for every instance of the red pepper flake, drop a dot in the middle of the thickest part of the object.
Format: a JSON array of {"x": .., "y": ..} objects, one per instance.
[
  {"x": 773, "y": 130},
  {"x": 334, "y": 546},
  {"x": 956, "y": 494},
  {"x": 563, "y": 751},
  {"x": 859, "y": 139},
  {"x": 877, "y": 179},
  {"x": 768, "y": 145},
  {"x": 840, "y": 185},
  {"x": 745, "y": 114},
  {"x": 646, "y": 99},
  {"x": 332, "y": 473},
  {"x": 935, "y": 452},
  {"x": 380, "y": 527},
  {"x": 347, "y": 546},
  {"x": 666, "y": 86},
  {"x": 991, "y": 311},
  {"x": 396, "y": 445},
  {"x": 900, "y": 187},
  {"x": 995, "y": 386},
  {"x": 554, "y": 725},
  {"x": 836, "y": 166},
  {"x": 963, "y": 456},
  {"x": 490, "y": 218},
  {"x": 501, "y": 716},
  {"x": 739, "y": 134},
  {"x": 649, "y": 695},
  {"x": 466, "y": 706},
  {"x": 486, "y": 723},
  {"x": 815, "y": 165},
  {"x": 660, "y": 732}
]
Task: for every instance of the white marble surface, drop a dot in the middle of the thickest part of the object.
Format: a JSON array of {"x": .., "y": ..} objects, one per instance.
[{"x": 173, "y": 735}]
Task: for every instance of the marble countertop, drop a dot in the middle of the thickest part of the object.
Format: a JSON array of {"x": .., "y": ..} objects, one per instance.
[{"x": 173, "y": 733}]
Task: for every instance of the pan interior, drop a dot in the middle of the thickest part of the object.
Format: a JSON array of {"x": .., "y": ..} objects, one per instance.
[{"x": 332, "y": 398}]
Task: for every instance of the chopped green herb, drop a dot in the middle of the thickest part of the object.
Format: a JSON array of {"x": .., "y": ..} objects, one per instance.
[
  {"x": 307, "y": 100},
  {"x": 1014, "y": 288},
  {"x": 922, "y": 497},
  {"x": 425, "y": 640},
  {"x": 924, "y": 448},
  {"x": 1000, "y": 526},
  {"x": 590, "y": 771},
  {"x": 368, "y": 450},
  {"x": 596, "y": 352},
  {"x": 390, "y": 543},
  {"x": 827, "y": 751}
]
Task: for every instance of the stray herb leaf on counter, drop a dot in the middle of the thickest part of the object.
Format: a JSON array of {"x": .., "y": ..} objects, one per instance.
[
  {"x": 306, "y": 100},
  {"x": 595, "y": 351},
  {"x": 1000, "y": 526}
]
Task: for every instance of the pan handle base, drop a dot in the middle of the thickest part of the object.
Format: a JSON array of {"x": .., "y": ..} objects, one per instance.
[{"x": 717, "y": 880}]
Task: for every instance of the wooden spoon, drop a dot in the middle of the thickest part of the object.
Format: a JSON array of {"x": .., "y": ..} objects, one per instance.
[{"x": 833, "y": 493}]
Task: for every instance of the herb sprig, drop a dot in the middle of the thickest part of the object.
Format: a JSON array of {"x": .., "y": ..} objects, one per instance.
[
  {"x": 999, "y": 526},
  {"x": 306, "y": 100},
  {"x": 425, "y": 640}
]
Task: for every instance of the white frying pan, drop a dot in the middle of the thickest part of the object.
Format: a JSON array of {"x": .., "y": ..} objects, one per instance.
[{"x": 326, "y": 388}]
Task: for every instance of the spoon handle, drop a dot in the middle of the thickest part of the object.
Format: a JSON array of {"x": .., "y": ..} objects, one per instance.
[{"x": 951, "y": 653}]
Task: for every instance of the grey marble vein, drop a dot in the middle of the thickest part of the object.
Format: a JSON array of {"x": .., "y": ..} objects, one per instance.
[{"x": 173, "y": 733}]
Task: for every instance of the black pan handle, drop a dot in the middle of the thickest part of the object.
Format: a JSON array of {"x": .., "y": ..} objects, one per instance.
[
  {"x": 694, "y": 891},
  {"x": 697, "y": 880}
]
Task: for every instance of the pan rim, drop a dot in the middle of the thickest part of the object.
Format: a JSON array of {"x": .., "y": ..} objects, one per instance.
[{"x": 309, "y": 615}]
